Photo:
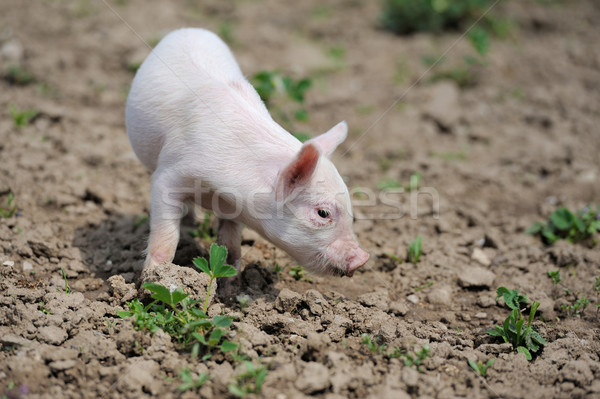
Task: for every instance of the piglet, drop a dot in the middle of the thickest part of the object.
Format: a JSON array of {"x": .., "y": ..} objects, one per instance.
[{"x": 202, "y": 130}]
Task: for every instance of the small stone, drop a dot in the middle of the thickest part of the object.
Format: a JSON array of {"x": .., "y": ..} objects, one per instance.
[
  {"x": 410, "y": 377},
  {"x": 27, "y": 266},
  {"x": 52, "y": 335},
  {"x": 62, "y": 365},
  {"x": 480, "y": 256},
  {"x": 481, "y": 315},
  {"x": 440, "y": 295},
  {"x": 287, "y": 300},
  {"x": 314, "y": 378},
  {"x": 8, "y": 263},
  {"x": 476, "y": 277},
  {"x": 485, "y": 301},
  {"x": 412, "y": 298},
  {"x": 398, "y": 308}
]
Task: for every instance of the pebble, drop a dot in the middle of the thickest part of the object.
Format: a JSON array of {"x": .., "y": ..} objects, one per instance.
[
  {"x": 481, "y": 315},
  {"x": 480, "y": 257},
  {"x": 476, "y": 277},
  {"x": 8, "y": 263},
  {"x": 27, "y": 266},
  {"x": 412, "y": 298}
]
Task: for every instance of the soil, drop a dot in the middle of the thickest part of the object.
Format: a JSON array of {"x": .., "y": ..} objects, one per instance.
[{"x": 496, "y": 156}]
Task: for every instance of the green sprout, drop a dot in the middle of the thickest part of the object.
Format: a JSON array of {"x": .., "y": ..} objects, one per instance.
[
  {"x": 481, "y": 368},
  {"x": 64, "y": 275},
  {"x": 189, "y": 382},
  {"x": 411, "y": 359},
  {"x": 204, "y": 230},
  {"x": 249, "y": 381},
  {"x": 414, "y": 250},
  {"x": 298, "y": 273},
  {"x": 22, "y": 118},
  {"x": 174, "y": 312},
  {"x": 571, "y": 226},
  {"x": 10, "y": 209},
  {"x": 372, "y": 343},
  {"x": 525, "y": 339}
]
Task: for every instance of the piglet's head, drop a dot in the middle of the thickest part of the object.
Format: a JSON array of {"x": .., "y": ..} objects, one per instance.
[{"x": 314, "y": 223}]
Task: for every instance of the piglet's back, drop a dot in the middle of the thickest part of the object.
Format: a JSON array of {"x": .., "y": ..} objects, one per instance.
[{"x": 177, "y": 76}]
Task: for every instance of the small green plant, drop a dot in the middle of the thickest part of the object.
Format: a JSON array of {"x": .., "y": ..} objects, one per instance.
[
  {"x": 408, "y": 16},
  {"x": 283, "y": 95},
  {"x": 250, "y": 381},
  {"x": 555, "y": 277},
  {"x": 577, "y": 307},
  {"x": 298, "y": 273},
  {"x": 395, "y": 258},
  {"x": 42, "y": 307},
  {"x": 481, "y": 368},
  {"x": 525, "y": 339},
  {"x": 424, "y": 286},
  {"x": 174, "y": 312},
  {"x": 226, "y": 32},
  {"x": 567, "y": 225},
  {"x": 372, "y": 343},
  {"x": 22, "y": 118},
  {"x": 10, "y": 209},
  {"x": 391, "y": 183},
  {"x": 188, "y": 382},
  {"x": 19, "y": 75},
  {"x": 414, "y": 250},
  {"x": 64, "y": 275},
  {"x": 411, "y": 359},
  {"x": 204, "y": 231},
  {"x": 480, "y": 40}
]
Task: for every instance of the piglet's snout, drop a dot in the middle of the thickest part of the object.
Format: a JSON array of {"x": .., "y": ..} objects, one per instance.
[{"x": 356, "y": 260}]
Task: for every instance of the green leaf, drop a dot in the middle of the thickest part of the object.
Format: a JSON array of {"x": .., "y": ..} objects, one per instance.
[
  {"x": 562, "y": 218},
  {"x": 228, "y": 346},
  {"x": 534, "y": 308},
  {"x": 225, "y": 271},
  {"x": 473, "y": 365},
  {"x": 222, "y": 321},
  {"x": 177, "y": 296},
  {"x": 525, "y": 351},
  {"x": 218, "y": 255},
  {"x": 490, "y": 362},
  {"x": 535, "y": 336},
  {"x": 202, "y": 264},
  {"x": 496, "y": 332},
  {"x": 215, "y": 336},
  {"x": 160, "y": 293},
  {"x": 236, "y": 390},
  {"x": 124, "y": 314},
  {"x": 535, "y": 228},
  {"x": 480, "y": 40}
]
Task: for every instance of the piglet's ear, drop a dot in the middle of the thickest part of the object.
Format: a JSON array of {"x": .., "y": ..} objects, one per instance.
[
  {"x": 298, "y": 172},
  {"x": 328, "y": 142}
]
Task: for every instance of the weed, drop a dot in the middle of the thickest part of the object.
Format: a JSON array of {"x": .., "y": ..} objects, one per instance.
[
  {"x": 524, "y": 339},
  {"x": 204, "y": 230},
  {"x": 250, "y": 381},
  {"x": 408, "y": 16},
  {"x": 226, "y": 32},
  {"x": 578, "y": 306},
  {"x": 243, "y": 300},
  {"x": 392, "y": 183},
  {"x": 372, "y": 343},
  {"x": 283, "y": 95},
  {"x": 18, "y": 75},
  {"x": 411, "y": 359},
  {"x": 414, "y": 250},
  {"x": 422, "y": 287},
  {"x": 180, "y": 316},
  {"x": 480, "y": 40},
  {"x": 188, "y": 382},
  {"x": 298, "y": 273},
  {"x": 42, "y": 307},
  {"x": 64, "y": 275},
  {"x": 302, "y": 137},
  {"x": 481, "y": 368},
  {"x": 555, "y": 276},
  {"x": 394, "y": 257},
  {"x": 564, "y": 224},
  {"x": 10, "y": 209},
  {"x": 22, "y": 118}
]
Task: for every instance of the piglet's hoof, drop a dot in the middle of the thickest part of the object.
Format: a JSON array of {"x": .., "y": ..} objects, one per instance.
[{"x": 172, "y": 276}]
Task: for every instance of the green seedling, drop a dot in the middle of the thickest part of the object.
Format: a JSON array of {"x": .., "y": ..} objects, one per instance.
[
  {"x": 411, "y": 359},
  {"x": 243, "y": 300},
  {"x": 174, "y": 312},
  {"x": 372, "y": 343},
  {"x": 188, "y": 382},
  {"x": 555, "y": 276},
  {"x": 395, "y": 258},
  {"x": 298, "y": 273},
  {"x": 18, "y": 75},
  {"x": 250, "y": 381},
  {"x": 481, "y": 368},
  {"x": 217, "y": 268},
  {"x": 302, "y": 136},
  {"x": 567, "y": 225},
  {"x": 524, "y": 339},
  {"x": 22, "y": 118},
  {"x": 578, "y": 307},
  {"x": 10, "y": 209},
  {"x": 389, "y": 184},
  {"x": 139, "y": 220},
  {"x": 64, "y": 275},
  {"x": 42, "y": 307},
  {"x": 480, "y": 40},
  {"x": 422, "y": 287},
  {"x": 414, "y": 250},
  {"x": 204, "y": 230}
]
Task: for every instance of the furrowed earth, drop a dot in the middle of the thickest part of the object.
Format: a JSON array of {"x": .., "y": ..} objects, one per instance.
[{"x": 517, "y": 142}]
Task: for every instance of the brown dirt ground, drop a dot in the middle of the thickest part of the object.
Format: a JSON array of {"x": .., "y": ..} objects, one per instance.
[{"x": 501, "y": 154}]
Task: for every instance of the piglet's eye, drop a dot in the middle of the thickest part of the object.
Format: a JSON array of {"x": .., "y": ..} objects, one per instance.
[{"x": 324, "y": 213}]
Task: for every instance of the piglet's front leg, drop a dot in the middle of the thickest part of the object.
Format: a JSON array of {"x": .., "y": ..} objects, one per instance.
[{"x": 230, "y": 235}]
